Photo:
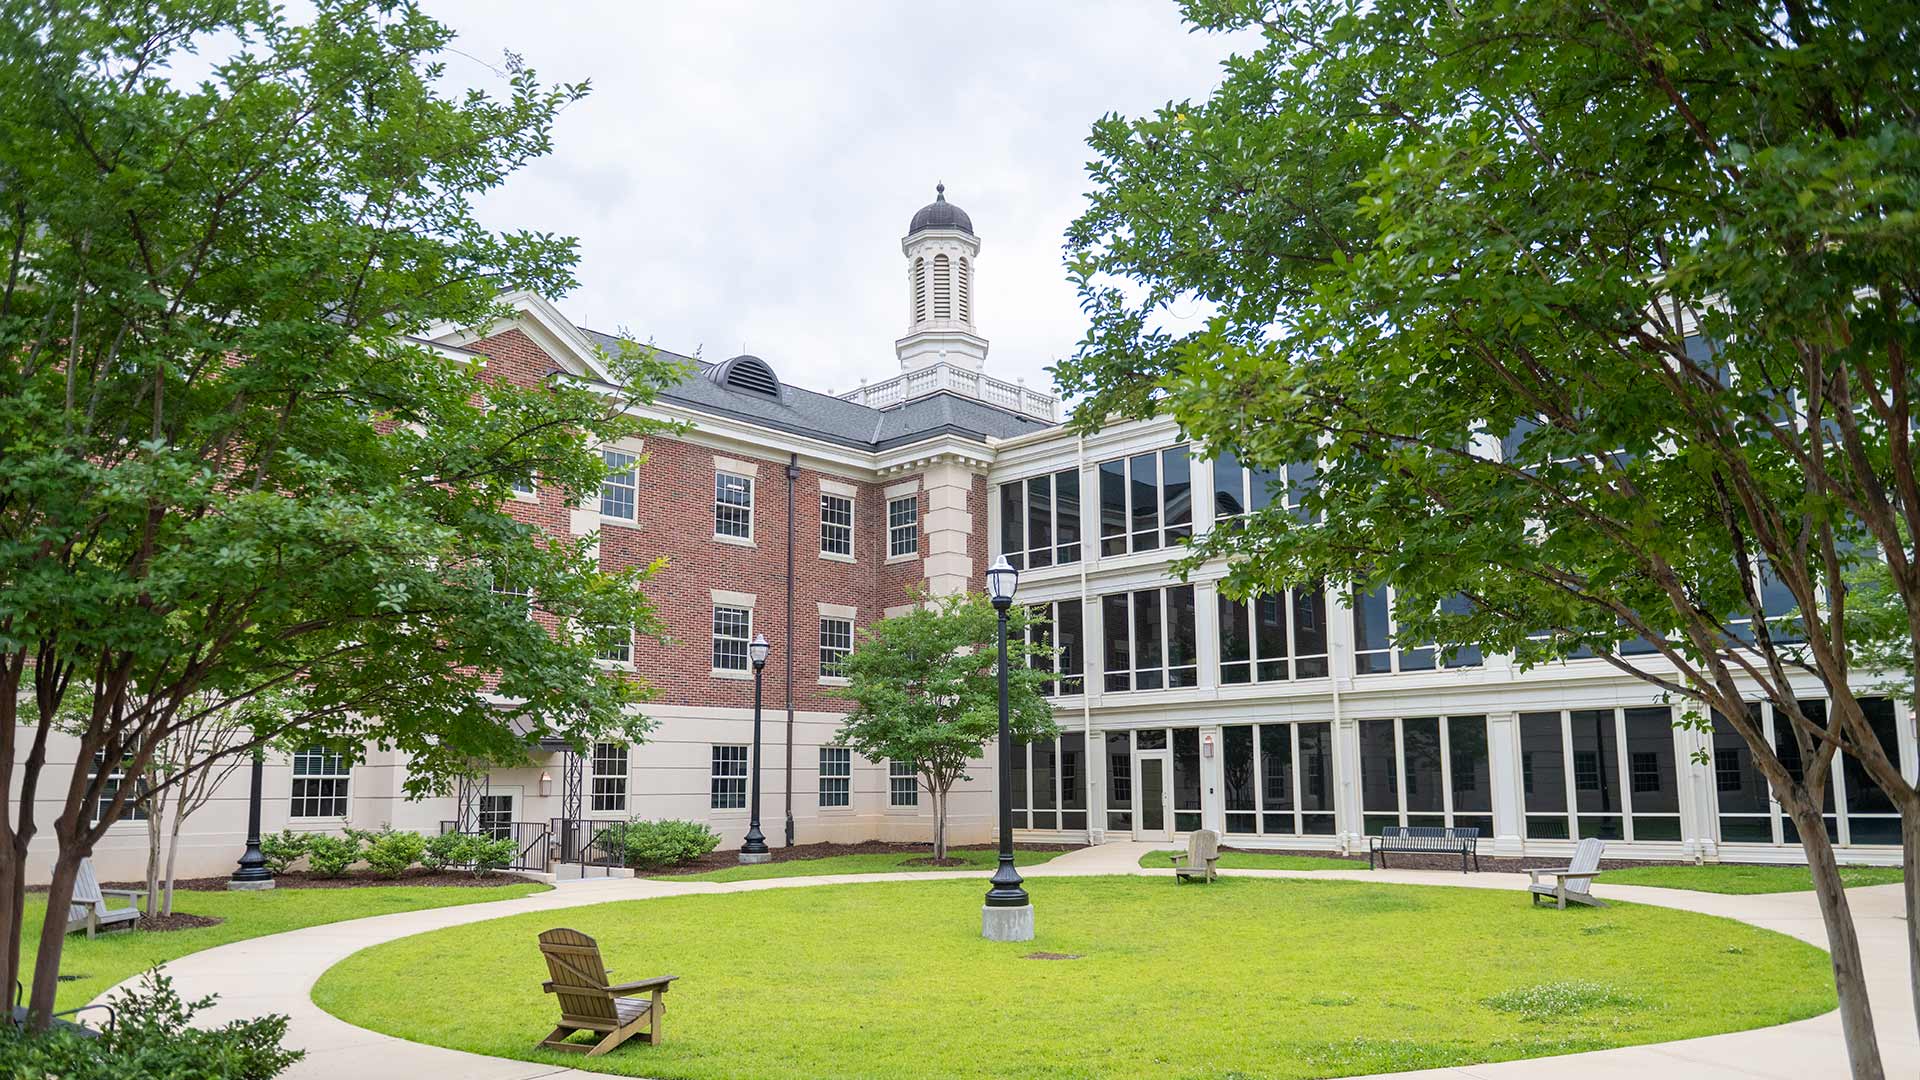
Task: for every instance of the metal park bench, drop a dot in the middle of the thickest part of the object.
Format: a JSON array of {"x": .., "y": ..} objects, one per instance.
[{"x": 1425, "y": 840}]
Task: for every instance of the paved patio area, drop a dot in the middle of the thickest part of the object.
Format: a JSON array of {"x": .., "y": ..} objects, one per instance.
[{"x": 277, "y": 974}]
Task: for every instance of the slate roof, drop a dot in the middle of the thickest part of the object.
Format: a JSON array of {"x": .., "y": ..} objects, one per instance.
[
  {"x": 828, "y": 418},
  {"x": 940, "y": 214}
]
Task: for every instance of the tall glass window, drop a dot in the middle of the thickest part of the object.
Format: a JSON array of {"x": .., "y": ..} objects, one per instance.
[
  {"x": 1186, "y": 779},
  {"x": 1543, "y": 779},
  {"x": 1057, "y": 626},
  {"x": 1146, "y": 501},
  {"x": 1040, "y": 520},
  {"x": 1150, "y": 639},
  {"x": 1620, "y": 765},
  {"x": 1050, "y": 784},
  {"x": 1273, "y": 638},
  {"x": 1120, "y": 781}
]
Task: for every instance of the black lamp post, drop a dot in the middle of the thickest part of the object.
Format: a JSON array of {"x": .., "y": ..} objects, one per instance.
[
  {"x": 755, "y": 849},
  {"x": 253, "y": 872},
  {"x": 1002, "y": 580}
]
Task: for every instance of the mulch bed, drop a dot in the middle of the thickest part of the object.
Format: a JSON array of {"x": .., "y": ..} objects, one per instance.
[
  {"x": 1438, "y": 861},
  {"x": 179, "y": 920},
  {"x": 722, "y": 858},
  {"x": 352, "y": 879}
]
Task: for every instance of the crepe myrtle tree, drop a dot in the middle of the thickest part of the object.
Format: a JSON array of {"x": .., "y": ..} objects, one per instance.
[
  {"x": 925, "y": 690},
  {"x": 233, "y": 469},
  {"x": 1599, "y": 321}
]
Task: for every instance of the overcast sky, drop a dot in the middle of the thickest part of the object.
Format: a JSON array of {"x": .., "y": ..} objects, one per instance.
[{"x": 742, "y": 174}]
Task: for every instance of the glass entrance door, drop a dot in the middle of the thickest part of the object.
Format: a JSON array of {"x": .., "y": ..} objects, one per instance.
[{"x": 1150, "y": 808}]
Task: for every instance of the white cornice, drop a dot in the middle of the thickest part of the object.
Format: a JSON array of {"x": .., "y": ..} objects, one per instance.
[{"x": 540, "y": 320}]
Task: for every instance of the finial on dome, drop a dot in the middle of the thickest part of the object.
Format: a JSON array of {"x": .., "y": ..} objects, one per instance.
[{"x": 940, "y": 191}]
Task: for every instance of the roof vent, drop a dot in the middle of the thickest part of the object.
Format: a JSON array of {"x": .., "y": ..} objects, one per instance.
[{"x": 748, "y": 373}]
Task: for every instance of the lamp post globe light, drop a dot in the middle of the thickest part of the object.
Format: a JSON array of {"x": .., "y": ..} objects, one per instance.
[
  {"x": 755, "y": 849},
  {"x": 1008, "y": 913}
]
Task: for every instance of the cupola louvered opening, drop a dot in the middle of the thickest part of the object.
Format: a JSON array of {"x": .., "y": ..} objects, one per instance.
[
  {"x": 748, "y": 373},
  {"x": 919, "y": 290},
  {"x": 942, "y": 287},
  {"x": 964, "y": 289}
]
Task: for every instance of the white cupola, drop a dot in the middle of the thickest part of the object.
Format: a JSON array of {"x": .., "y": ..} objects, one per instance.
[{"x": 941, "y": 249}]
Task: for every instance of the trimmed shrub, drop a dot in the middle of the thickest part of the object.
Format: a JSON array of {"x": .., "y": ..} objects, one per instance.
[
  {"x": 389, "y": 853},
  {"x": 656, "y": 844},
  {"x": 284, "y": 849},
  {"x": 487, "y": 854},
  {"x": 153, "y": 1035},
  {"x": 443, "y": 852},
  {"x": 329, "y": 856}
]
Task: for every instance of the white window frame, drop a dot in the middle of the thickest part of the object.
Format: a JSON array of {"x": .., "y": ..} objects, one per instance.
[
  {"x": 1254, "y": 659},
  {"x": 1166, "y": 667},
  {"x": 620, "y": 464},
  {"x": 833, "y": 654},
  {"x": 1286, "y": 500},
  {"x": 837, "y": 531},
  {"x": 332, "y": 769},
  {"x": 909, "y": 528},
  {"x": 744, "y": 639},
  {"x": 619, "y": 654},
  {"x": 902, "y": 796},
  {"x": 727, "y": 777},
  {"x": 1022, "y": 559},
  {"x": 1161, "y": 540},
  {"x": 722, "y": 507},
  {"x": 1622, "y": 771},
  {"x": 134, "y": 810},
  {"x": 608, "y": 778},
  {"x": 835, "y": 789},
  {"x": 1051, "y": 612}
]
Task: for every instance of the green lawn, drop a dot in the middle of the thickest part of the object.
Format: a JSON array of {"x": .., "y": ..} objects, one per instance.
[
  {"x": 1258, "y": 860},
  {"x": 1745, "y": 879},
  {"x": 888, "y": 863},
  {"x": 1245, "y": 978},
  {"x": 93, "y": 966}
]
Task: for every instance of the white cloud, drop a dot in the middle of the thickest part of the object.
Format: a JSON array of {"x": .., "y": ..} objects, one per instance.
[{"x": 742, "y": 173}]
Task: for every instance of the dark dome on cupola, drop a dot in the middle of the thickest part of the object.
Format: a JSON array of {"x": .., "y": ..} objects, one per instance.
[{"x": 940, "y": 214}]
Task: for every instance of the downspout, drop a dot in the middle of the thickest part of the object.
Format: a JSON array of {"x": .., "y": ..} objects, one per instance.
[
  {"x": 1086, "y": 707},
  {"x": 793, "y": 476}
]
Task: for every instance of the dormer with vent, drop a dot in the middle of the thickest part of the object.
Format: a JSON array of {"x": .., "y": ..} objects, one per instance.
[
  {"x": 747, "y": 374},
  {"x": 941, "y": 248}
]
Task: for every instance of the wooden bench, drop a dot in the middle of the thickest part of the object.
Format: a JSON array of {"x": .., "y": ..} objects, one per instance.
[
  {"x": 89, "y": 911},
  {"x": 1571, "y": 882},
  {"x": 1425, "y": 840}
]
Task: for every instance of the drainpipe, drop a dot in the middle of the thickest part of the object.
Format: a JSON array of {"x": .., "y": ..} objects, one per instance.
[
  {"x": 1098, "y": 780},
  {"x": 793, "y": 477}
]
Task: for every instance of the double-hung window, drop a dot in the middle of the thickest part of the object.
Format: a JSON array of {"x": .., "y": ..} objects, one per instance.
[
  {"x": 903, "y": 784},
  {"x": 1040, "y": 520},
  {"x": 836, "y": 776},
  {"x": 1056, "y": 627},
  {"x": 320, "y": 779},
  {"x": 836, "y": 642},
  {"x": 732, "y": 506},
  {"x": 609, "y": 777},
  {"x": 1274, "y": 637},
  {"x": 836, "y": 525},
  {"x": 728, "y": 780},
  {"x": 136, "y": 807},
  {"x": 616, "y": 649},
  {"x": 1377, "y": 648},
  {"x": 619, "y": 488},
  {"x": 1149, "y": 639},
  {"x": 903, "y": 526},
  {"x": 732, "y": 629},
  {"x": 1146, "y": 501}
]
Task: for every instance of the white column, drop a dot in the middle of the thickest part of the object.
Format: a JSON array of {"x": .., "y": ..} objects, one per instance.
[
  {"x": 949, "y": 528},
  {"x": 1503, "y": 765}
]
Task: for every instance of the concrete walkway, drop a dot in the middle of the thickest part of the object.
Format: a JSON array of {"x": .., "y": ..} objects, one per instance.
[{"x": 277, "y": 974}]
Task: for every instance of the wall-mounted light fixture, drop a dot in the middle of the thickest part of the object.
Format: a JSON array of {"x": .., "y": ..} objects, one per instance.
[{"x": 546, "y": 783}]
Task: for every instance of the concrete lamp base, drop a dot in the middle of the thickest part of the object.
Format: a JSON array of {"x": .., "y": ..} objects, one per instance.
[
  {"x": 748, "y": 858},
  {"x": 249, "y": 886},
  {"x": 1006, "y": 923}
]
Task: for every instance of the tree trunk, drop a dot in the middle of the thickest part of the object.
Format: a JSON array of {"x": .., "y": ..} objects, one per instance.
[
  {"x": 1843, "y": 943},
  {"x": 13, "y": 905},
  {"x": 1910, "y": 887},
  {"x": 173, "y": 855},
  {"x": 939, "y": 825},
  {"x": 53, "y": 938},
  {"x": 154, "y": 835}
]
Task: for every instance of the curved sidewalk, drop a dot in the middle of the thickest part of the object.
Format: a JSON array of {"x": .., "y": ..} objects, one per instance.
[{"x": 277, "y": 974}]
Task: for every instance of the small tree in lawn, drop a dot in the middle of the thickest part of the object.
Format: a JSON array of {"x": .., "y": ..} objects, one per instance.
[{"x": 925, "y": 690}]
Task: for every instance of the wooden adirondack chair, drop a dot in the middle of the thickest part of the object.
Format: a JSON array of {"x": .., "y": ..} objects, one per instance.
[
  {"x": 1573, "y": 882},
  {"x": 1203, "y": 857},
  {"x": 589, "y": 1003},
  {"x": 89, "y": 911}
]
